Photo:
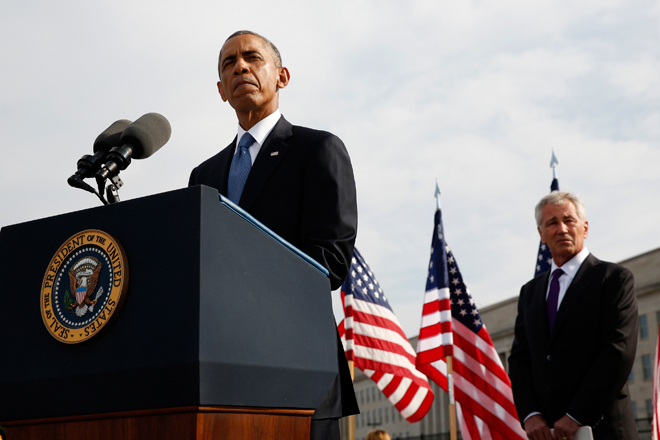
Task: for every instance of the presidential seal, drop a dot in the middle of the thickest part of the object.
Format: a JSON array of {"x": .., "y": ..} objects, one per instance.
[{"x": 84, "y": 286}]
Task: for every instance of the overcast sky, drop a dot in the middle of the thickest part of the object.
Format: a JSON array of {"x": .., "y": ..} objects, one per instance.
[{"x": 475, "y": 94}]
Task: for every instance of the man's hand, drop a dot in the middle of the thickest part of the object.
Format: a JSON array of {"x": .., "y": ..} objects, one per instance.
[
  {"x": 537, "y": 429},
  {"x": 565, "y": 428}
]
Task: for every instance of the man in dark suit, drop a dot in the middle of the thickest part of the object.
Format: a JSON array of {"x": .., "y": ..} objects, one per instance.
[
  {"x": 297, "y": 181},
  {"x": 575, "y": 335}
]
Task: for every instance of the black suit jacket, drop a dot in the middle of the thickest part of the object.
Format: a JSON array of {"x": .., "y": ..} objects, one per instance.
[
  {"x": 301, "y": 186},
  {"x": 581, "y": 368}
]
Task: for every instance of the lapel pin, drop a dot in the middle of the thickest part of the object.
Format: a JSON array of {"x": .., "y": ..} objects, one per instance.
[{"x": 274, "y": 153}]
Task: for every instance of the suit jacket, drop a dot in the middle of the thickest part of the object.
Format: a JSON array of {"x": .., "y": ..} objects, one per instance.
[
  {"x": 581, "y": 368},
  {"x": 301, "y": 186}
]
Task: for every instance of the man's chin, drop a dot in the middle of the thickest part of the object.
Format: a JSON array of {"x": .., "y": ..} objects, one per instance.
[{"x": 245, "y": 103}]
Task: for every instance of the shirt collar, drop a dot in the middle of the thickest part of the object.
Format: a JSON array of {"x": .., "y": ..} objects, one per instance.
[
  {"x": 261, "y": 129},
  {"x": 571, "y": 267}
]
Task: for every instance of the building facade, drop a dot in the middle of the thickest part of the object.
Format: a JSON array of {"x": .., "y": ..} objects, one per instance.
[{"x": 378, "y": 413}]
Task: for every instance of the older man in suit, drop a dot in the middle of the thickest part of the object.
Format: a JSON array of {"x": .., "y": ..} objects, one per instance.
[
  {"x": 297, "y": 181},
  {"x": 575, "y": 335}
]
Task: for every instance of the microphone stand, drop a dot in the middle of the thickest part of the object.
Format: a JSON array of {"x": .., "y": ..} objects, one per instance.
[
  {"x": 112, "y": 190},
  {"x": 76, "y": 182}
]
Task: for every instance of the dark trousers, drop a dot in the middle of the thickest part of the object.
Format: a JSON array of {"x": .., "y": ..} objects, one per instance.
[{"x": 324, "y": 429}]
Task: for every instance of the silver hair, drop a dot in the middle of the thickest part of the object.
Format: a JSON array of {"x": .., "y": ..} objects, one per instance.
[{"x": 559, "y": 198}]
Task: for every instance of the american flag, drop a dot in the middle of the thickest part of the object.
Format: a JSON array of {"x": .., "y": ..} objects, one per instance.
[
  {"x": 544, "y": 259},
  {"x": 377, "y": 345},
  {"x": 482, "y": 388},
  {"x": 656, "y": 392}
]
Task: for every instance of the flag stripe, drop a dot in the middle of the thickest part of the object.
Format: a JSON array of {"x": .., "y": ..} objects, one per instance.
[
  {"x": 656, "y": 392},
  {"x": 379, "y": 343},
  {"x": 388, "y": 367},
  {"x": 378, "y": 346},
  {"x": 367, "y": 323},
  {"x": 509, "y": 425}
]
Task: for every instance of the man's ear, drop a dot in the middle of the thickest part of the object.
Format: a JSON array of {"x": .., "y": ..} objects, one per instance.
[
  {"x": 586, "y": 229},
  {"x": 283, "y": 77},
  {"x": 222, "y": 91}
]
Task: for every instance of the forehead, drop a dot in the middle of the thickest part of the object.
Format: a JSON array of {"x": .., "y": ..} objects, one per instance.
[
  {"x": 244, "y": 43},
  {"x": 567, "y": 209}
]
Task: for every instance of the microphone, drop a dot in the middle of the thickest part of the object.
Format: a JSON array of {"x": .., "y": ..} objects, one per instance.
[
  {"x": 88, "y": 165},
  {"x": 139, "y": 140},
  {"x": 110, "y": 138}
]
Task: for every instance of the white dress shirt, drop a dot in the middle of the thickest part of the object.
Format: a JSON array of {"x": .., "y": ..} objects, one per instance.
[
  {"x": 259, "y": 132},
  {"x": 570, "y": 268}
]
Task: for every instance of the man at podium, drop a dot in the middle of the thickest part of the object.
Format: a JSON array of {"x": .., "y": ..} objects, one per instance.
[{"x": 296, "y": 180}]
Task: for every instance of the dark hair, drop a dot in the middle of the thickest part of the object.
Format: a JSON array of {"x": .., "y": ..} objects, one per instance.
[{"x": 276, "y": 53}]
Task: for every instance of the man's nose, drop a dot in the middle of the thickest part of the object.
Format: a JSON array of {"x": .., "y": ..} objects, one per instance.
[
  {"x": 563, "y": 228},
  {"x": 241, "y": 66}
]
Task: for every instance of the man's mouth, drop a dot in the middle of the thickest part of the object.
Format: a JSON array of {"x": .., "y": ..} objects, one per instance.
[{"x": 243, "y": 82}]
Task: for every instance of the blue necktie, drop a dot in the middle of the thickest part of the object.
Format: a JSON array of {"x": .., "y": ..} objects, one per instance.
[
  {"x": 240, "y": 168},
  {"x": 553, "y": 297}
]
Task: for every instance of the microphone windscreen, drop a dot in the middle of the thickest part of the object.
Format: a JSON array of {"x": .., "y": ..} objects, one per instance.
[
  {"x": 110, "y": 137},
  {"x": 147, "y": 134}
]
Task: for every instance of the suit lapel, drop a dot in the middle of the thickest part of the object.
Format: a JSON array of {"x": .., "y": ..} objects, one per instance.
[
  {"x": 578, "y": 287},
  {"x": 540, "y": 310},
  {"x": 221, "y": 173},
  {"x": 266, "y": 162}
]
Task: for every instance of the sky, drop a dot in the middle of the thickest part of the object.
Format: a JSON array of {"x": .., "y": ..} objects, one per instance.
[{"x": 472, "y": 94}]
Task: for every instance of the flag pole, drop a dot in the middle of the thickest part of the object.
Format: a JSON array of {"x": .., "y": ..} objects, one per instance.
[
  {"x": 553, "y": 164},
  {"x": 452, "y": 404},
  {"x": 450, "y": 370},
  {"x": 351, "y": 418}
]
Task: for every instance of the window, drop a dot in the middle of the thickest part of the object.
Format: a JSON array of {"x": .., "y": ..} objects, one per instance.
[
  {"x": 387, "y": 416},
  {"x": 657, "y": 317},
  {"x": 380, "y": 415},
  {"x": 393, "y": 415},
  {"x": 362, "y": 396},
  {"x": 632, "y": 376},
  {"x": 367, "y": 392},
  {"x": 634, "y": 408},
  {"x": 647, "y": 368},
  {"x": 643, "y": 327},
  {"x": 649, "y": 408}
]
